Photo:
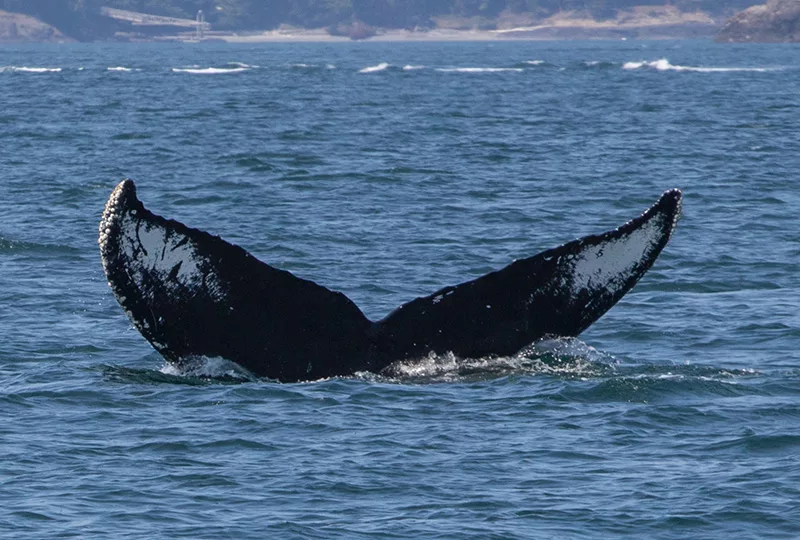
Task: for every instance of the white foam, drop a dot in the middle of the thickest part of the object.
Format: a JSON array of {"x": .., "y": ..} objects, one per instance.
[
  {"x": 25, "y": 69},
  {"x": 664, "y": 65},
  {"x": 373, "y": 69},
  {"x": 203, "y": 366},
  {"x": 535, "y": 62},
  {"x": 573, "y": 358},
  {"x": 411, "y": 67},
  {"x": 477, "y": 70},
  {"x": 118, "y": 68},
  {"x": 210, "y": 70},
  {"x": 302, "y": 65}
]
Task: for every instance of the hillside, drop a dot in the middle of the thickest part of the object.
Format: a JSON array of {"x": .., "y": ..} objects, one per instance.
[
  {"x": 775, "y": 22},
  {"x": 82, "y": 19},
  {"x": 17, "y": 28}
]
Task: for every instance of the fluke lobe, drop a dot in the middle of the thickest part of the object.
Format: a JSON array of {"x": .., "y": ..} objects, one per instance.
[{"x": 192, "y": 294}]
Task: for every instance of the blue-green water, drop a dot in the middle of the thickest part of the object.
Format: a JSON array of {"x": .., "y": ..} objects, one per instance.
[{"x": 674, "y": 416}]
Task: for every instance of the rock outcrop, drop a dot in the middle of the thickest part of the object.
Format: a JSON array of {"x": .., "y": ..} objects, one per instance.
[
  {"x": 18, "y": 28},
  {"x": 777, "y": 21}
]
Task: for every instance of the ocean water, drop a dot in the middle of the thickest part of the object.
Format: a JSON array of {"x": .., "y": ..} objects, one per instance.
[{"x": 387, "y": 171}]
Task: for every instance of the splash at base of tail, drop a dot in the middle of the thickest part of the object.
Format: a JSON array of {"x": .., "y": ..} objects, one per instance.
[{"x": 193, "y": 294}]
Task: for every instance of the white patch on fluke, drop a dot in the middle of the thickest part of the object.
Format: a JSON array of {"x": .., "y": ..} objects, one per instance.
[
  {"x": 609, "y": 264},
  {"x": 159, "y": 251},
  {"x": 171, "y": 258},
  {"x": 153, "y": 253}
]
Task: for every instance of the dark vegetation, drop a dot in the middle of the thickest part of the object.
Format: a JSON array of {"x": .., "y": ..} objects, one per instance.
[{"x": 82, "y": 20}]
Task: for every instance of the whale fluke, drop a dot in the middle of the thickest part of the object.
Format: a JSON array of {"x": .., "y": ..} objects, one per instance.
[
  {"x": 559, "y": 292},
  {"x": 193, "y": 294}
]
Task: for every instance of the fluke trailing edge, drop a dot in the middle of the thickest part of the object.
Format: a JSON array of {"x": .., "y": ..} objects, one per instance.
[{"x": 193, "y": 294}]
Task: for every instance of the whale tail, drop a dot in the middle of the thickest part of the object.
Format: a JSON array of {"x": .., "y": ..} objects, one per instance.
[
  {"x": 193, "y": 294},
  {"x": 559, "y": 292}
]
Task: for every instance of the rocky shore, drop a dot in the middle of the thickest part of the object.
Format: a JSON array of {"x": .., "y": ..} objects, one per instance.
[
  {"x": 17, "y": 28},
  {"x": 777, "y": 21}
]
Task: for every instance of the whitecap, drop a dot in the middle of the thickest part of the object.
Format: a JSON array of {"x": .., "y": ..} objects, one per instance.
[
  {"x": 118, "y": 68},
  {"x": 632, "y": 65},
  {"x": 372, "y": 69},
  {"x": 411, "y": 67},
  {"x": 562, "y": 357},
  {"x": 25, "y": 69},
  {"x": 209, "y": 70},
  {"x": 477, "y": 70},
  {"x": 663, "y": 64}
]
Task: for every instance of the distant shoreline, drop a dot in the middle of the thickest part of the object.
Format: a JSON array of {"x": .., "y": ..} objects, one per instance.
[
  {"x": 538, "y": 33},
  {"x": 666, "y": 23}
]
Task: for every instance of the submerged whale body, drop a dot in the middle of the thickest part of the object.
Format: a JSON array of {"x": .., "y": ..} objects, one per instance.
[{"x": 193, "y": 294}]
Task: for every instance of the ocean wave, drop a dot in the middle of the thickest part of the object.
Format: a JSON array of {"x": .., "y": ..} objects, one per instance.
[
  {"x": 26, "y": 69},
  {"x": 567, "y": 358},
  {"x": 195, "y": 371},
  {"x": 127, "y": 375},
  {"x": 18, "y": 246},
  {"x": 373, "y": 69},
  {"x": 119, "y": 68},
  {"x": 310, "y": 67},
  {"x": 412, "y": 67},
  {"x": 659, "y": 387},
  {"x": 664, "y": 65},
  {"x": 479, "y": 69},
  {"x": 232, "y": 67},
  {"x": 597, "y": 64},
  {"x": 534, "y": 64},
  {"x": 203, "y": 367}
]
